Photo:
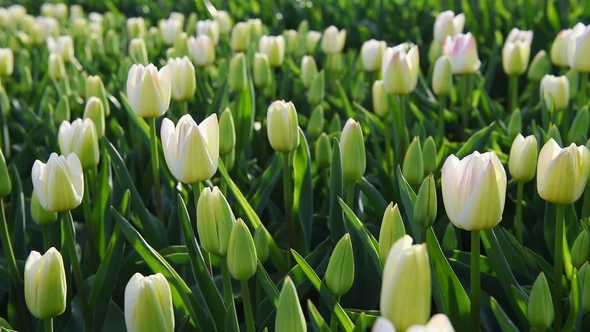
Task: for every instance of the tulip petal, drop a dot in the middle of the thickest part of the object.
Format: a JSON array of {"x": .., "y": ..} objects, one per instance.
[
  {"x": 548, "y": 152},
  {"x": 210, "y": 131},
  {"x": 559, "y": 182},
  {"x": 165, "y": 80},
  {"x": 169, "y": 142},
  {"x": 448, "y": 184}
]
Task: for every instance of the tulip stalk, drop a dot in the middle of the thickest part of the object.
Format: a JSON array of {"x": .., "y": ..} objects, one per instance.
[
  {"x": 156, "y": 168},
  {"x": 512, "y": 93},
  {"x": 518, "y": 226},
  {"x": 225, "y": 277},
  {"x": 475, "y": 281},
  {"x": 558, "y": 268},
  {"x": 48, "y": 323},
  {"x": 93, "y": 231},
  {"x": 582, "y": 96},
  {"x": 465, "y": 100},
  {"x": 288, "y": 196},
  {"x": 247, "y": 307},
  {"x": 442, "y": 103},
  {"x": 402, "y": 127},
  {"x": 46, "y": 237}
]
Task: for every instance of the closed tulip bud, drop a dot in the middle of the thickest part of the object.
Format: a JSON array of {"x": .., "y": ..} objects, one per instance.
[
  {"x": 352, "y": 149},
  {"x": 215, "y": 221},
  {"x": 392, "y": 229},
  {"x": 224, "y": 21},
  {"x": 584, "y": 278},
  {"x": 516, "y": 52},
  {"x": 515, "y": 123},
  {"x": 274, "y": 48},
  {"x": 80, "y": 138},
  {"x": 474, "y": 190},
  {"x": 540, "y": 311},
  {"x": 63, "y": 45},
  {"x": 555, "y": 91},
  {"x": 191, "y": 151},
  {"x": 202, "y": 50},
  {"x": 227, "y": 132},
  {"x": 45, "y": 284},
  {"x": 562, "y": 173},
  {"x": 148, "y": 304},
  {"x": 240, "y": 37},
  {"x": 149, "y": 90},
  {"x": 169, "y": 29},
  {"x": 6, "y": 62},
  {"x": 56, "y": 67},
  {"x": 312, "y": 38},
  {"x": 136, "y": 27},
  {"x": 372, "y": 54},
  {"x": 61, "y": 11},
  {"x": 340, "y": 272},
  {"x": 289, "y": 314},
  {"x": 282, "y": 126},
  {"x": 400, "y": 69},
  {"x": 448, "y": 24},
  {"x": 184, "y": 83},
  {"x": 62, "y": 110},
  {"x": 335, "y": 124},
  {"x": 261, "y": 244},
  {"x": 563, "y": 47},
  {"x": 581, "y": 249},
  {"x": 309, "y": 70},
  {"x": 315, "y": 95},
  {"x": 442, "y": 77},
  {"x": 579, "y": 127},
  {"x": 39, "y": 215},
  {"x": 450, "y": 238},
  {"x": 209, "y": 28},
  {"x": 578, "y": 51},
  {"x": 540, "y": 66},
  {"x": 180, "y": 45},
  {"x": 255, "y": 26},
  {"x": 429, "y": 155},
  {"x": 138, "y": 51},
  {"x": 262, "y": 71},
  {"x": 112, "y": 43},
  {"x": 153, "y": 38},
  {"x": 413, "y": 166},
  {"x": 238, "y": 73},
  {"x": 177, "y": 16},
  {"x": 5, "y": 183},
  {"x": 333, "y": 40},
  {"x": 291, "y": 40},
  {"x": 315, "y": 125},
  {"x": 523, "y": 158},
  {"x": 59, "y": 184},
  {"x": 425, "y": 206},
  {"x": 380, "y": 100},
  {"x": 462, "y": 51},
  {"x": 95, "y": 87},
  {"x": 406, "y": 289},
  {"x": 48, "y": 9},
  {"x": 94, "y": 110},
  {"x": 241, "y": 252},
  {"x": 323, "y": 151}
]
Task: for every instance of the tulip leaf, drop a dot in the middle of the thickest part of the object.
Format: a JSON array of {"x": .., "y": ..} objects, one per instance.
[
  {"x": 200, "y": 272},
  {"x": 17, "y": 215},
  {"x": 335, "y": 218},
  {"x": 220, "y": 97},
  {"x": 452, "y": 298},
  {"x": 505, "y": 323},
  {"x": 139, "y": 123},
  {"x": 344, "y": 97},
  {"x": 268, "y": 285},
  {"x": 325, "y": 294},
  {"x": 102, "y": 199},
  {"x": 574, "y": 319},
  {"x": 231, "y": 320},
  {"x": 408, "y": 199},
  {"x": 360, "y": 325},
  {"x": 477, "y": 141},
  {"x": 252, "y": 217},
  {"x": 303, "y": 194},
  {"x": 372, "y": 194},
  {"x": 265, "y": 184},
  {"x": 245, "y": 112},
  {"x": 317, "y": 321},
  {"x": 183, "y": 297}
]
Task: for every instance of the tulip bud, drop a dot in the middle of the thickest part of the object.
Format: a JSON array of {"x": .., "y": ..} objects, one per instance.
[
  {"x": 59, "y": 184},
  {"x": 352, "y": 149},
  {"x": 448, "y": 24},
  {"x": 261, "y": 244},
  {"x": 323, "y": 151},
  {"x": 63, "y": 45},
  {"x": 289, "y": 314},
  {"x": 581, "y": 249},
  {"x": 315, "y": 125},
  {"x": 516, "y": 52},
  {"x": 240, "y": 37},
  {"x": 333, "y": 40},
  {"x": 450, "y": 238},
  {"x": 540, "y": 66},
  {"x": 462, "y": 52},
  {"x": 442, "y": 77},
  {"x": 215, "y": 221},
  {"x": 209, "y": 28},
  {"x": 241, "y": 252},
  {"x": 429, "y": 155},
  {"x": 274, "y": 48},
  {"x": 335, "y": 124},
  {"x": 380, "y": 100},
  {"x": 309, "y": 70},
  {"x": 224, "y": 21},
  {"x": 238, "y": 73},
  {"x": 45, "y": 284},
  {"x": 400, "y": 69},
  {"x": 80, "y": 138},
  {"x": 523, "y": 157},
  {"x": 392, "y": 229},
  {"x": 57, "y": 68},
  {"x": 540, "y": 312},
  {"x": 372, "y": 54},
  {"x": 515, "y": 123},
  {"x": 227, "y": 132},
  {"x": 340, "y": 272},
  {"x": 136, "y": 27},
  {"x": 62, "y": 110},
  {"x": 579, "y": 127},
  {"x": 584, "y": 278},
  {"x": 315, "y": 94},
  {"x": 149, "y": 90},
  {"x": 184, "y": 83},
  {"x": 406, "y": 289},
  {"x": 255, "y": 27},
  {"x": 169, "y": 29},
  {"x": 312, "y": 38},
  {"x": 202, "y": 50},
  {"x": 562, "y": 173},
  {"x": 553, "y": 132},
  {"x": 555, "y": 91},
  {"x": 138, "y": 51},
  {"x": 413, "y": 166},
  {"x": 481, "y": 180},
  {"x": 579, "y": 47},
  {"x": 6, "y": 62},
  {"x": 291, "y": 41},
  {"x": 262, "y": 71},
  {"x": 425, "y": 206},
  {"x": 94, "y": 110},
  {"x": 282, "y": 126},
  {"x": 95, "y": 87},
  {"x": 5, "y": 183},
  {"x": 148, "y": 304},
  {"x": 112, "y": 43}
]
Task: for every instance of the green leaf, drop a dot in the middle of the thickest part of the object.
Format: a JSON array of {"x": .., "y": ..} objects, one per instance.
[
  {"x": 317, "y": 321},
  {"x": 220, "y": 97},
  {"x": 574, "y": 319},
  {"x": 477, "y": 141},
  {"x": 268, "y": 285},
  {"x": 17, "y": 216},
  {"x": 102, "y": 201},
  {"x": 335, "y": 218},
  {"x": 361, "y": 323},
  {"x": 372, "y": 194},
  {"x": 505, "y": 323},
  {"x": 350, "y": 113},
  {"x": 408, "y": 200},
  {"x": 303, "y": 193},
  {"x": 245, "y": 110}
]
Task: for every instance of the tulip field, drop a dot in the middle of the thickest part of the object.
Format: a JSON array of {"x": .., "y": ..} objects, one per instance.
[{"x": 295, "y": 165}]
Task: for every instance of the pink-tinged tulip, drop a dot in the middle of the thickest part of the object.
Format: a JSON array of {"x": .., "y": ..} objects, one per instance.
[
  {"x": 556, "y": 88},
  {"x": 517, "y": 51},
  {"x": 372, "y": 54},
  {"x": 474, "y": 190},
  {"x": 149, "y": 90},
  {"x": 579, "y": 51},
  {"x": 462, "y": 51},
  {"x": 448, "y": 24},
  {"x": 560, "y": 50},
  {"x": 562, "y": 172},
  {"x": 400, "y": 69}
]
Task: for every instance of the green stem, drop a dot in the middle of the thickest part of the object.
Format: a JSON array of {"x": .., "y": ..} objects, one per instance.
[
  {"x": 92, "y": 230},
  {"x": 48, "y": 324},
  {"x": 586, "y": 205},
  {"x": 247, "y": 307},
  {"x": 288, "y": 195},
  {"x": 46, "y": 237},
  {"x": 465, "y": 100},
  {"x": 70, "y": 240},
  {"x": 475, "y": 281},
  {"x": 582, "y": 95},
  {"x": 518, "y": 225},
  {"x": 388, "y": 148},
  {"x": 156, "y": 168},
  {"x": 405, "y": 140},
  {"x": 227, "y": 290},
  {"x": 558, "y": 268},
  {"x": 350, "y": 195},
  {"x": 512, "y": 93},
  {"x": 333, "y": 321},
  {"x": 223, "y": 182},
  {"x": 442, "y": 103}
]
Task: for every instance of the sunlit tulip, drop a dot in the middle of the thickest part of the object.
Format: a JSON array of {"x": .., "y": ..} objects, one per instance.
[
  {"x": 448, "y": 24},
  {"x": 17, "y": 12},
  {"x": 241, "y": 252},
  {"x": 6, "y": 62},
  {"x": 63, "y": 45},
  {"x": 380, "y": 100},
  {"x": 59, "y": 184},
  {"x": 563, "y": 48},
  {"x": 95, "y": 111},
  {"x": 290, "y": 316},
  {"x": 45, "y": 284},
  {"x": 80, "y": 138},
  {"x": 333, "y": 40},
  {"x": 309, "y": 70},
  {"x": 136, "y": 27},
  {"x": 555, "y": 90},
  {"x": 462, "y": 51},
  {"x": 184, "y": 83},
  {"x": 312, "y": 38},
  {"x": 61, "y": 11},
  {"x": 43, "y": 27},
  {"x": 215, "y": 221},
  {"x": 578, "y": 50},
  {"x": 148, "y": 304},
  {"x": 352, "y": 151},
  {"x": 202, "y": 50},
  {"x": 442, "y": 76},
  {"x": 282, "y": 126},
  {"x": 523, "y": 158},
  {"x": 138, "y": 51},
  {"x": 240, "y": 37},
  {"x": 149, "y": 90},
  {"x": 372, "y": 54},
  {"x": 209, "y": 28},
  {"x": 437, "y": 323},
  {"x": 474, "y": 190},
  {"x": 224, "y": 21},
  {"x": 169, "y": 29},
  {"x": 274, "y": 48},
  {"x": 400, "y": 69},
  {"x": 255, "y": 26},
  {"x": 56, "y": 68},
  {"x": 517, "y": 51},
  {"x": 5, "y": 18}
]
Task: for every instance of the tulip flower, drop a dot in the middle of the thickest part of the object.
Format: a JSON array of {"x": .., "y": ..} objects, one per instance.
[
  {"x": 262, "y": 71},
  {"x": 274, "y": 48},
  {"x": 425, "y": 207},
  {"x": 149, "y": 90},
  {"x": 202, "y": 50},
  {"x": 169, "y": 29},
  {"x": 462, "y": 52},
  {"x": 291, "y": 40},
  {"x": 56, "y": 67},
  {"x": 289, "y": 314},
  {"x": 227, "y": 132},
  {"x": 95, "y": 111},
  {"x": 136, "y": 27},
  {"x": 474, "y": 190},
  {"x": 578, "y": 50},
  {"x": 540, "y": 66},
  {"x": 442, "y": 77},
  {"x": 238, "y": 73},
  {"x": 561, "y": 50},
  {"x": 392, "y": 229},
  {"x": 352, "y": 151},
  {"x": 240, "y": 37},
  {"x": 191, "y": 151},
  {"x": 437, "y": 323},
  {"x": 224, "y": 21},
  {"x": 523, "y": 157},
  {"x": 63, "y": 45},
  {"x": 148, "y": 304},
  {"x": 333, "y": 40},
  {"x": 215, "y": 221},
  {"x": 555, "y": 90},
  {"x": 59, "y": 184},
  {"x": 448, "y": 24},
  {"x": 380, "y": 100},
  {"x": 540, "y": 311},
  {"x": 516, "y": 52},
  {"x": 413, "y": 165},
  {"x": 45, "y": 284},
  {"x": 340, "y": 271},
  {"x": 323, "y": 150},
  {"x": 372, "y": 54},
  {"x": 209, "y": 28},
  {"x": 255, "y": 26},
  {"x": 241, "y": 252},
  {"x": 312, "y": 38},
  {"x": 400, "y": 69},
  {"x": 406, "y": 289},
  {"x": 39, "y": 215},
  {"x": 80, "y": 138},
  {"x": 184, "y": 83},
  {"x": 282, "y": 126},
  {"x": 309, "y": 70},
  {"x": 138, "y": 51}
]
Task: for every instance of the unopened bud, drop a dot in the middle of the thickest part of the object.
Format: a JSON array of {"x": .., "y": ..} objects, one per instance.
[
  {"x": 315, "y": 124},
  {"x": 425, "y": 207},
  {"x": 340, "y": 271},
  {"x": 323, "y": 151},
  {"x": 238, "y": 73},
  {"x": 241, "y": 253},
  {"x": 392, "y": 229},
  {"x": 315, "y": 94},
  {"x": 380, "y": 100},
  {"x": 540, "y": 311},
  {"x": 413, "y": 166},
  {"x": 429, "y": 155},
  {"x": 581, "y": 250},
  {"x": 227, "y": 132}
]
